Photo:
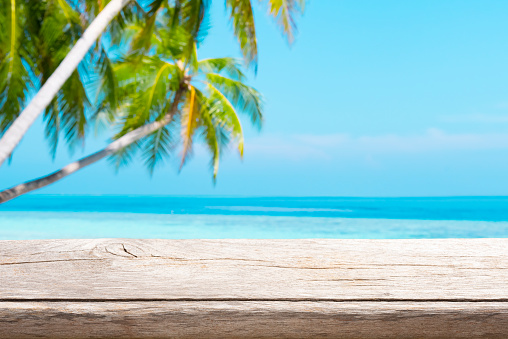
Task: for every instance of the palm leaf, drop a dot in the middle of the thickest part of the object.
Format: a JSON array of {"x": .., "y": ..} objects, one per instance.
[
  {"x": 125, "y": 155},
  {"x": 189, "y": 123},
  {"x": 69, "y": 13},
  {"x": 14, "y": 77},
  {"x": 285, "y": 13},
  {"x": 242, "y": 17},
  {"x": 142, "y": 41},
  {"x": 212, "y": 140},
  {"x": 148, "y": 91},
  {"x": 192, "y": 14},
  {"x": 157, "y": 146},
  {"x": 105, "y": 86},
  {"x": 245, "y": 98},
  {"x": 74, "y": 109},
  {"x": 225, "y": 115},
  {"x": 229, "y": 66},
  {"x": 52, "y": 129}
]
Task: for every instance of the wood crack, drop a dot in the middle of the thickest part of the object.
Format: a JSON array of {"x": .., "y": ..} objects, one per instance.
[
  {"x": 125, "y": 250},
  {"x": 47, "y": 261}
]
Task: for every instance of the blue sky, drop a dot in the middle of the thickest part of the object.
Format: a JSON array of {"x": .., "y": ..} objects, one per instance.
[{"x": 375, "y": 98}]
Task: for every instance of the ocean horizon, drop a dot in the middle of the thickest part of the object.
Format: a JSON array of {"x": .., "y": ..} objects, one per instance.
[{"x": 204, "y": 217}]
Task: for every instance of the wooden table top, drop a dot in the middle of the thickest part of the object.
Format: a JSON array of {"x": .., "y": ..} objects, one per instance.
[{"x": 121, "y": 288}]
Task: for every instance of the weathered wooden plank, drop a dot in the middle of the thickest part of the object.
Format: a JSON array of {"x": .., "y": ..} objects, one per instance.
[
  {"x": 253, "y": 320},
  {"x": 255, "y": 269},
  {"x": 119, "y": 288}
]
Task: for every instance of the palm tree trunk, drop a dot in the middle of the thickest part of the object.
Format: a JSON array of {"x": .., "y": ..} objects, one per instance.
[
  {"x": 113, "y": 147},
  {"x": 41, "y": 100}
]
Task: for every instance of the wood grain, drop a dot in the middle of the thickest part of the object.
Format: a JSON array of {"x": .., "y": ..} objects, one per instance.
[{"x": 120, "y": 288}]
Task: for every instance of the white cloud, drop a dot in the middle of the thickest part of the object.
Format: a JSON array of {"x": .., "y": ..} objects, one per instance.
[
  {"x": 476, "y": 118},
  {"x": 432, "y": 140},
  {"x": 323, "y": 140},
  {"x": 301, "y": 147},
  {"x": 289, "y": 147},
  {"x": 502, "y": 105}
]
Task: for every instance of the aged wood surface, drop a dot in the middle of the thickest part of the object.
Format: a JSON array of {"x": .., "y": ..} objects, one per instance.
[{"x": 120, "y": 288}]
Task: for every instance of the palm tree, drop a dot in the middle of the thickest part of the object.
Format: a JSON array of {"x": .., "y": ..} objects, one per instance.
[
  {"x": 240, "y": 13},
  {"x": 35, "y": 36},
  {"x": 166, "y": 93}
]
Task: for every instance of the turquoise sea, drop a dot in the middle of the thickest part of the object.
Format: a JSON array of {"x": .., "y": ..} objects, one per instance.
[{"x": 49, "y": 217}]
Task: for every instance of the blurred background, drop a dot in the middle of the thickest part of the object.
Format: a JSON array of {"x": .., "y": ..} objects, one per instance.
[{"x": 374, "y": 98}]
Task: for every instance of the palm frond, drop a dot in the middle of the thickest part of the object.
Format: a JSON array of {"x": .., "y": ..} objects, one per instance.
[
  {"x": 157, "y": 93},
  {"x": 67, "y": 114},
  {"x": 229, "y": 66},
  {"x": 242, "y": 17},
  {"x": 89, "y": 9},
  {"x": 189, "y": 121},
  {"x": 156, "y": 147},
  {"x": 192, "y": 14},
  {"x": 245, "y": 98},
  {"x": 106, "y": 93},
  {"x": 14, "y": 76},
  {"x": 224, "y": 114},
  {"x": 142, "y": 40},
  {"x": 68, "y": 12},
  {"x": 125, "y": 155},
  {"x": 52, "y": 129},
  {"x": 285, "y": 13},
  {"x": 193, "y": 60},
  {"x": 74, "y": 107},
  {"x": 5, "y": 15},
  {"x": 212, "y": 136},
  {"x": 148, "y": 91},
  {"x": 173, "y": 44}
]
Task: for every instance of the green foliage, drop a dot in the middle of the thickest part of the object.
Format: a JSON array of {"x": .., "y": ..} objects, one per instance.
[
  {"x": 285, "y": 13},
  {"x": 243, "y": 97},
  {"x": 13, "y": 73},
  {"x": 137, "y": 83},
  {"x": 159, "y": 63},
  {"x": 36, "y": 36},
  {"x": 242, "y": 17},
  {"x": 190, "y": 16},
  {"x": 214, "y": 93},
  {"x": 157, "y": 146}
]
